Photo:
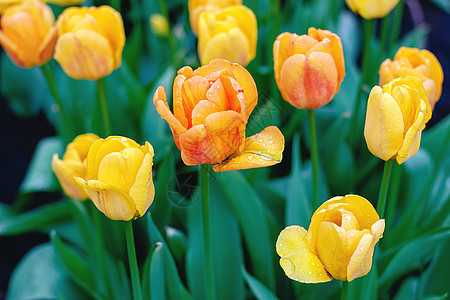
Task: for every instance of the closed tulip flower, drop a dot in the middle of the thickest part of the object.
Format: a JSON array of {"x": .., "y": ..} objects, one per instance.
[
  {"x": 27, "y": 33},
  {"x": 119, "y": 177},
  {"x": 308, "y": 69},
  {"x": 230, "y": 33},
  {"x": 371, "y": 9},
  {"x": 197, "y": 7},
  {"x": 4, "y": 4},
  {"x": 211, "y": 107},
  {"x": 415, "y": 62},
  {"x": 338, "y": 244},
  {"x": 396, "y": 115},
  {"x": 73, "y": 164},
  {"x": 90, "y": 41}
]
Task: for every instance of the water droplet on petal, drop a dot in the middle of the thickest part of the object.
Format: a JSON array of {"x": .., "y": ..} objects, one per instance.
[{"x": 250, "y": 157}]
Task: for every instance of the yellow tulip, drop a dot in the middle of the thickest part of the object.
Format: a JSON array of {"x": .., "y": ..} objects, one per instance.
[
  {"x": 27, "y": 33},
  {"x": 66, "y": 2},
  {"x": 230, "y": 33},
  {"x": 90, "y": 41},
  {"x": 119, "y": 177},
  {"x": 159, "y": 25},
  {"x": 338, "y": 244},
  {"x": 197, "y": 7},
  {"x": 372, "y": 9},
  {"x": 396, "y": 115},
  {"x": 415, "y": 62},
  {"x": 4, "y": 4},
  {"x": 74, "y": 164},
  {"x": 309, "y": 69}
]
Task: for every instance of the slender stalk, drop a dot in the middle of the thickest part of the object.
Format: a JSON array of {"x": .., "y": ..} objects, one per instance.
[
  {"x": 344, "y": 290},
  {"x": 68, "y": 131},
  {"x": 204, "y": 183},
  {"x": 314, "y": 158},
  {"x": 382, "y": 196},
  {"x": 383, "y": 36},
  {"x": 134, "y": 269},
  {"x": 104, "y": 106},
  {"x": 368, "y": 32},
  {"x": 170, "y": 36},
  {"x": 398, "y": 13},
  {"x": 393, "y": 195}
]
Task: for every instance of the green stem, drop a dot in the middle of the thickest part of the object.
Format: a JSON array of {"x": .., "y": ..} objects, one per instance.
[
  {"x": 68, "y": 132},
  {"x": 104, "y": 106},
  {"x": 398, "y": 13},
  {"x": 344, "y": 290},
  {"x": 170, "y": 36},
  {"x": 134, "y": 270},
  {"x": 383, "y": 36},
  {"x": 384, "y": 188},
  {"x": 204, "y": 183},
  {"x": 314, "y": 158},
  {"x": 393, "y": 195},
  {"x": 368, "y": 32}
]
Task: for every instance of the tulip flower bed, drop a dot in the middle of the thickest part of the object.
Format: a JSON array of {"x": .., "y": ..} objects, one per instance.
[{"x": 228, "y": 150}]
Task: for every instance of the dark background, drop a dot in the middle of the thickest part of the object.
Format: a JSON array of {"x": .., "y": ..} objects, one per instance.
[{"x": 21, "y": 135}]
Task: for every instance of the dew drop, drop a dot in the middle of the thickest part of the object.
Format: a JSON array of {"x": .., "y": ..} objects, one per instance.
[
  {"x": 260, "y": 140},
  {"x": 271, "y": 141},
  {"x": 313, "y": 264},
  {"x": 123, "y": 139},
  {"x": 250, "y": 157},
  {"x": 310, "y": 273}
]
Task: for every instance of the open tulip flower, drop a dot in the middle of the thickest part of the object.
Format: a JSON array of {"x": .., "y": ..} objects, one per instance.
[
  {"x": 230, "y": 33},
  {"x": 415, "y": 62},
  {"x": 308, "y": 69},
  {"x": 28, "y": 34},
  {"x": 73, "y": 164},
  {"x": 396, "y": 115},
  {"x": 338, "y": 244},
  {"x": 211, "y": 107},
  {"x": 197, "y": 7},
  {"x": 119, "y": 177},
  {"x": 371, "y": 9},
  {"x": 90, "y": 41}
]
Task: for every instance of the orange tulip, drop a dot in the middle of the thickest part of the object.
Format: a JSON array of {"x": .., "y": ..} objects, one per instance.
[
  {"x": 27, "y": 33},
  {"x": 211, "y": 108},
  {"x": 90, "y": 41},
  {"x": 415, "y": 62},
  {"x": 308, "y": 69},
  {"x": 197, "y": 7}
]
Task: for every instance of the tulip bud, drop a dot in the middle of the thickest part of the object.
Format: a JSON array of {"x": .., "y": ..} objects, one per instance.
[
  {"x": 415, "y": 62},
  {"x": 338, "y": 244},
  {"x": 396, "y": 115},
  {"x": 371, "y": 9},
  {"x": 197, "y": 7},
  {"x": 308, "y": 69},
  {"x": 159, "y": 25},
  {"x": 90, "y": 41},
  {"x": 230, "y": 33},
  {"x": 211, "y": 108},
  {"x": 119, "y": 177},
  {"x": 4, "y": 4},
  {"x": 27, "y": 34},
  {"x": 74, "y": 164}
]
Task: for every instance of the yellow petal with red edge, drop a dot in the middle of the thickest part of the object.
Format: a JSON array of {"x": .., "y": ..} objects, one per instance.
[
  {"x": 260, "y": 150},
  {"x": 111, "y": 201},
  {"x": 119, "y": 169},
  {"x": 280, "y": 53},
  {"x": 297, "y": 260},
  {"x": 202, "y": 110},
  {"x": 292, "y": 81},
  {"x": 413, "y": 136},
  {"x": 66, "y": 178},
  {"x": 361, "y": 260},
  {"x": 384, "y": 127},
  {"x": 84, "y": 54}
]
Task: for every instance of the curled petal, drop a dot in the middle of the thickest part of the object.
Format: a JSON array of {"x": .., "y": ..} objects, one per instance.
[
  {"x": 260, "y": 150},
  {"x": 65, "y": 176},
  {"x": 297, "y": 260},
  {"x": 143, "y": 190}
]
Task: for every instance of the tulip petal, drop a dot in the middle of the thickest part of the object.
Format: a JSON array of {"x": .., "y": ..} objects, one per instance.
[
  {"x": 99, "y": 149},
  {"x": 297, "y": 260},
  {"x": 203, "y": 109},
  {"x": 213, "y": 142},
  {"x": 384, "y": 127},
  {"x": 292, "y": 76},
  {"x": 178, "y": 108},
  {"x": 111, "y": 201},
  {"x": 84, "y": 54},
  {"x": 361, "y": 260},
  {"x": 260, "y": 150},
  {"x": 65, "y": 176},
  {"x": 143, "y": 190},
  {"x": 160, "y": 102}
]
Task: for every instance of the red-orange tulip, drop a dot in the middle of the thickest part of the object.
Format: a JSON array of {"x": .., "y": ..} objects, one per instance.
[
  {"x": 308, "y": 69},
  {"x": 211, "y": 106}
]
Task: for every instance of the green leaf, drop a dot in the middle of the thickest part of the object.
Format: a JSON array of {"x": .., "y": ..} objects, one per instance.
[
  {"x": 157, "y": 273},
  {"x": 408, "y": 289},
  {"x": 177, "y": 242},
  {"x": 436, "y": 140},
  {"x": 250, "y": 213},
  {"x": 40, "y": 177},
  {"x": 443, "y": 4},
  {"x": 416, "y": 38},
  {"x": 76, "y": 266},
  {"x": 39, "y": 276},
  {"x": 260, "y": 291},
  {"x": 41, "y": 218}
]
